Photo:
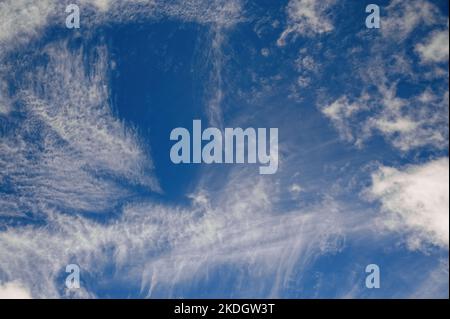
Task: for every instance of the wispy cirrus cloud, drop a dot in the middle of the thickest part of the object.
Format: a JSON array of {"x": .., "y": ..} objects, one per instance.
[
  {"x": 22, "y": 20},
  {"x": 162, "y": 247},
  {"x": 64, "y": 152},
  {"x": 65, "y": 147}
]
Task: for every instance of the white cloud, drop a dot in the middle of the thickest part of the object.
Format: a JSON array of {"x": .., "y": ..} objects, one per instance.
[
  {"x": 104, "y": 5},
  {"x": 22, "y": 20},
  {"x": 341, "y": 111},
  {"x": 303, "y": 81},
  {"x": 295, "y": 190},
  {"x": 415, "y": 201},
  {"x": 410, "y": 123},
  {"x": 307, "y": 18},
  {"x": 157, "y": 246},
  {"x": 161, "y": 246},
  {"x": 306, "y": 63},
  {"x": 406, "y": 123},
  {"x": 395, "y": 125},
  {"x": 382, "y": 67},
  {"x": 435, "y": 284},
  {"x": 68, "y": 149},
  {"x": 4, "y": 108},
  {"x": 13, "y": 290},
  {"x": 307, "y": 67},
  {"x": 435, "y": 48},
  {"x": 403, "y": 17}
]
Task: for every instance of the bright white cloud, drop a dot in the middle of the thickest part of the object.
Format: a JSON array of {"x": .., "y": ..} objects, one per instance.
[
  {"x": 341, "y": 112},
  {"x": 435, "y": 48},
  {"x": 23, "y": 18},
  {"x": 406, "y": 123},
  {"x": 13, "y": 290},
  {"x": 415, "y": 201},
  {"x": 405, "y": 16},
  {"x": 307, "y": 18}
]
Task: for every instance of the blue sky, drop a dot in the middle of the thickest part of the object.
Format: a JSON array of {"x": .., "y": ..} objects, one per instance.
[{"x": 86, "y": 177}]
